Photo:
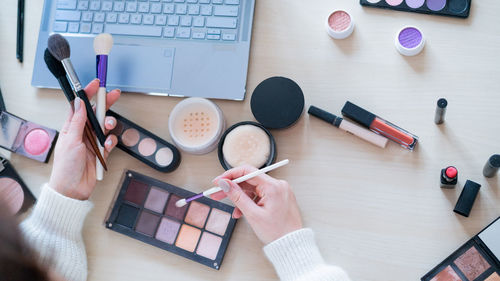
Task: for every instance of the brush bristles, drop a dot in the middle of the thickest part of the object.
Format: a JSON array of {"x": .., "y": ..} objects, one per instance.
[
  {"x": 181, "y": 203},
  {"x": 103, "y": 44},
  {"x": 58, "y": 46},
  {"x": 53, "y": 64}
]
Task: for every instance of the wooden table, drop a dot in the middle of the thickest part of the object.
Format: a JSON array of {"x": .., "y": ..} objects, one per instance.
[{"x": 378, "y": 213}]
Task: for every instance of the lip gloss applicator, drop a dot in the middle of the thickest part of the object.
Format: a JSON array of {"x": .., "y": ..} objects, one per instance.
[
  {"x": 349, "y": 127},
  {"x": 102, "y": 46},
  {"x": 215, "y": 189},
  {"x": 59, "y": 47}
]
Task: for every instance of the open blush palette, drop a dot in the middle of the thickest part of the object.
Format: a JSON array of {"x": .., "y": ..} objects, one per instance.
[
  {"x": 144, "y": 209},
  {"x": 476, "y": 260},
  {"x": 452, "y": 8}
]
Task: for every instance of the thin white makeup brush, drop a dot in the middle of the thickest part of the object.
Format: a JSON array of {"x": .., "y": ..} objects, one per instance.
[
  {"x": 215, "y": 189},
  {"x": 102, "y": 46}
]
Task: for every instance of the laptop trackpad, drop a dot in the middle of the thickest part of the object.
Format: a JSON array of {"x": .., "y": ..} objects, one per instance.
[{"x": 141, "y": 66}]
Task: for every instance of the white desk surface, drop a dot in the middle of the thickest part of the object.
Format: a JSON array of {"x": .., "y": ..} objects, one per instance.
[{"x": 378, "y": 213}]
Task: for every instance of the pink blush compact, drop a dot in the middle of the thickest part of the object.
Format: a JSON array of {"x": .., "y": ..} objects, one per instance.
[{"x": 26, "y": 138}]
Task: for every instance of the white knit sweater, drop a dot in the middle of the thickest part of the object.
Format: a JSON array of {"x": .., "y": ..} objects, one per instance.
[{"x": 54, "y": 231}]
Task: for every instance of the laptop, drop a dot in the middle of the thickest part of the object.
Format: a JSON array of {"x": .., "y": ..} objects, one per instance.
[{"x": 195, "y": 48}]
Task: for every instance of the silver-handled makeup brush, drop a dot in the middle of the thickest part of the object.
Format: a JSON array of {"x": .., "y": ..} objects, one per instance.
[
  {"x": 102, "y": 46},
  {"x": 59, "y": 48},
  {"x": 208, "y": 192}
]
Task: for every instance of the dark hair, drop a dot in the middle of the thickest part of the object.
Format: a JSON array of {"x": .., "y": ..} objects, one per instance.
[{"x": 17, "y": 261}]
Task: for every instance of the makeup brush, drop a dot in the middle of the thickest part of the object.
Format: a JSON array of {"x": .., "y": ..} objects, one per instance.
[
  {"x": 57, "y": 69},
  {"x": 102, "y": 46},
  {"x": 59, "y": 48},
  {"x": 207, "y": 193}
]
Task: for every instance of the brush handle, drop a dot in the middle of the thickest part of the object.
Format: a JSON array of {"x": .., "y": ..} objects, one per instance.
[
  {"x": 66, "y": 87},
  {"x": 91, "y": 117},
  {"x": 244, "y": 178},
  {"x": 101, "y": 115}
]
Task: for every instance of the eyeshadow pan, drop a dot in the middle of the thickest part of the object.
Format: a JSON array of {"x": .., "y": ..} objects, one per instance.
[
  {"x": 136, "y": 192},
  {"x": 130, "y": 137},
  {"x": 127, "y": 215},
  {"x": 167, "y": 231},
  {"x": 472, "y": 263},
  {"x": 458, "y": 6},
  {"x": 394, "y": 2},
  {"x": 173, "y": 210},
  {"x": 197, "y": 214},
  {"x": 447, "y": 274},
  {"x": 493, "y": 277},
  {"x": 156, "y": 200},
  {"x": 147, "y": 146},
  {"x": 436, "y": 5},
  {"x": 147, "y": 223},
  {"x": 209, "y": 246},
  {"x": 415, "y": 3},
  {"x": 217, "y": 222},
  {"x": 164, "y": 156},
  {"x": 188, "y": 238}
]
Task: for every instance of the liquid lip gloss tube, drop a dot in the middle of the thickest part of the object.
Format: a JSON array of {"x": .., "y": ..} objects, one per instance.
[
  {"x": 379, "y": 125},
  {"x": 349, "y": 127}
]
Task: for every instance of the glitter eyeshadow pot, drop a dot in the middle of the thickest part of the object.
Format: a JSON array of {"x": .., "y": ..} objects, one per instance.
[
  {"x": 339, "y": 24},
  {"x": 144, "y": 209},
  {"x": 410, "y": 41},
  {"x": 196, "y": 125}
]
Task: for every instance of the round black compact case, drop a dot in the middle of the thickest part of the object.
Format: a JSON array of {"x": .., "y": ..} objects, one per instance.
[{"x": 277, "y": 103}]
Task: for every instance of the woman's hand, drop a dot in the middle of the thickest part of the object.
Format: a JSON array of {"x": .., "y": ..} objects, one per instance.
[
  {"x": 268, "y": 204},
  {"x": 74, "y": 170}
]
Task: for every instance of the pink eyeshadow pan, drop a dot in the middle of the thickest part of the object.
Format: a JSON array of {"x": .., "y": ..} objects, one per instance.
[
  {"x": 209, "y": 246},
  {"x": 156, "y": 200},
  {"x": 197, "y": 214},
  {"x": 217, "y": 222},
  {"x": 147, "y": 146}
]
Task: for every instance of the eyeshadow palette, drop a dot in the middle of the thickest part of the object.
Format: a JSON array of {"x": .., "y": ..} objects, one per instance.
[
  {"x": 476, "y": 260},
  {"x": 452, "y": 8},
  {"x": 144, "y": 145},
  {"x": 144, "y": 209}
]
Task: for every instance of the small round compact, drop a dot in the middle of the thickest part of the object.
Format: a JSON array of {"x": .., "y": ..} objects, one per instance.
[
  {"x": 196, "y": 125},
  {"x": 410, "y": 41},
  {"x": 339, "y": 24},
  {"x": 276, "y": 103}
]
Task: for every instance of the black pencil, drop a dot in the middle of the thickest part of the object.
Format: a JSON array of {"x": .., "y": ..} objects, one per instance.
[{"x": 20, "y": 30}]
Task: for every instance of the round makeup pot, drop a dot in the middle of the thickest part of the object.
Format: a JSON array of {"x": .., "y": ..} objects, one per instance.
[
  {"x": 247, "y": 143},
  {"x": 196, "y": 125},
  {"x": 410, "y": 41},
  {"x": 339, "y": 24}
]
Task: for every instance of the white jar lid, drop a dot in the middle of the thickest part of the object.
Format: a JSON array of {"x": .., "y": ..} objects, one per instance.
[
  {"x": 339, "y": 24},
  {"x": 410, "y": 41}
]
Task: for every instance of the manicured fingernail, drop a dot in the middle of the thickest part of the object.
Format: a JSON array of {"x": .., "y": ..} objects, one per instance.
[
  {"x": 111, "y": 122},
  {"x": 224, "y": 185},
  {"x": 109, "y": 142},
  {"x": 96, "y": 79},
  {"x": 77, "y": 104},
  {"x": 119, "y": 91}
]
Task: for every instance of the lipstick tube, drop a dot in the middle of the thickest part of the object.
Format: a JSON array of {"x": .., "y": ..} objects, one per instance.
[
  {"x": 349, "y": 127},
  {"x": 379, "y": 125}
]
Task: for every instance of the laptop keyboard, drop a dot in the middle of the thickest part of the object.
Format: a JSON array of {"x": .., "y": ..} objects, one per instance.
[{"x": 169, "y": 19}]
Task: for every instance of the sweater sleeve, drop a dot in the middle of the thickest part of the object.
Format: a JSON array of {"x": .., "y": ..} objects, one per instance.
[
  {"x": 296, "y": 257},
  {"x": 54, "y": 232}
]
